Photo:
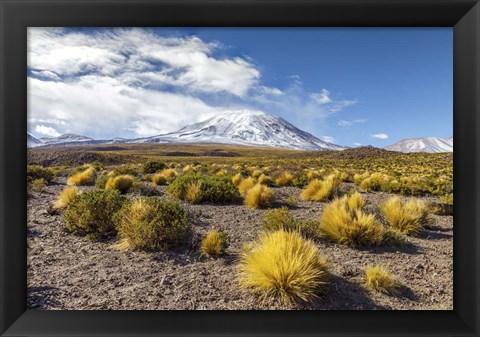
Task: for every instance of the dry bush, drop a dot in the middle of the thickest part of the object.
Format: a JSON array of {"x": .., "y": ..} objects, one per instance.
[
  {"x": 150, "y": 224},
  {"x": 379, "y": 279},
  {"x": 121, "y": 183},
  {"x": 283, "y": 265},
  {"x": 285, "y": 179},
  {"x": 214, "y": 243},
  {"x": 320, "y": 190},
  {"x": 65, "y": 197},
  {"x": 86, "y": 177},
  {"x": 153, "y": 166},
  {"x": 245, "y": 185},
  {"x": 193, "y": 194},
  {"x": 344, "y": 221},
  {"x": 406, "y": 217},
  {"x": 259, "y": 196}
]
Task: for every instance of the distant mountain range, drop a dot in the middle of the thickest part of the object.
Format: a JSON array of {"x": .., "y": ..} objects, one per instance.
[
  {"x": 251, "y": 128},
  {"x": 427, "y": 144},
  {"x": 245, "y": 127}
]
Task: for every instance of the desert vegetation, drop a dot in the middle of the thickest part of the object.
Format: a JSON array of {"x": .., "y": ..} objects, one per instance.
[{"x": 261, "y": 229}]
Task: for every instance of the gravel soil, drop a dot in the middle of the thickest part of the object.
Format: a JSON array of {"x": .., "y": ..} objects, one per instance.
[{"x": 68, "y": 272}]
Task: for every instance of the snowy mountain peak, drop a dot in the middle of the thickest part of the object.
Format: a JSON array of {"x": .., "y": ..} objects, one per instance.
[
  {"x": 246, "y": 127},
  {"x": 240, "y": 127},
  {"x": 427, "y": 144}
]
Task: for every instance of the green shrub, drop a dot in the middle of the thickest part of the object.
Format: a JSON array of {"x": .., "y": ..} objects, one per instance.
[
  {"x": 279, "y": 218},
  {"x": 39, "y": 172},
  {"x": 101, "y": 181},
  {"x": 91, "y": 213},
  {"x": 38, "y": 184},
  {"x": 213, "y": 188},
  {"x": 291, "y": 202},
  {"x": 151, "y": 224},
  {"x": 153, "y": 166},
  {"x": 125, "y": 170}
]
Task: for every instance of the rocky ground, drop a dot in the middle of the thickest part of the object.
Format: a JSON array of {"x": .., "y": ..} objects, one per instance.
[{"x": 69, "y": 272}]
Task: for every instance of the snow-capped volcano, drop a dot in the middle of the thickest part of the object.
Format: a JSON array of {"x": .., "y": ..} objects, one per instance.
[
  {"x": 428, "y": 144},
  {"x": 245, "y": 127}
]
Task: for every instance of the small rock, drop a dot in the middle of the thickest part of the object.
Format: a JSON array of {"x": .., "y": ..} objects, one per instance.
[{"x": 165, "y": 281}]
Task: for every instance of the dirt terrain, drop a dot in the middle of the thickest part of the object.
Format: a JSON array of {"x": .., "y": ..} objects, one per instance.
[{"x": 70, "y": 272}]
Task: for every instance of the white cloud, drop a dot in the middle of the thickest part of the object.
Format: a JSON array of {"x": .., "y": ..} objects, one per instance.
[
  {"x": 332, "y": 105},
  {"x": 380, "y": 136},
  {"x": 338, "y": 106},
  {"x": 350, "y": 123},
  {"x": 322, "y": 98},
  {"x": 100, "y": 108},
  {"x": 185, "y": 62},
  {"x": 46, "y": 74},
  {"x": 357, "y": 144},
  {"x": 46, "y": 130},
  {"x": 328, "y": 139}
]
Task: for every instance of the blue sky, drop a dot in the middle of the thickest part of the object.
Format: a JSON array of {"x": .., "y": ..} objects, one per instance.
[{"x": 347, "y": 85}]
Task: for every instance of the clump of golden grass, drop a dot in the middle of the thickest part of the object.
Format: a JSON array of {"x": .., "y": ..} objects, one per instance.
[
  {"x": 379, "y": 279},
  {"x": 151, "y": 224},
  {"x": 259, "y": 196},
  {"x": 264, "y": 180},
  {"x": 257, "y": 173},
  {"x": 121, "y": 183},
  {"x": 320, "y": 190},
  {"x": 406, "y": 217},
  {"x": 193, "y": 193},
  {"x": 237, "y": 179},
  {"x": 159, "y": 179},
  {"x": 65, "y": 197},
  {"x": 285, "y": 179},
  {"x": 169, "y": 173},
  {"x": 214, "y": 243},
  {"x": 85, "y": 177},
  {"x": 283, "y": 265},
  {"x": 345, "y": 222},
  {"x": 245, "y": 185}
]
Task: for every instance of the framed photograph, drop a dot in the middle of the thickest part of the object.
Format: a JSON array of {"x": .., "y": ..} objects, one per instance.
[{"x": 239, "y": 168}]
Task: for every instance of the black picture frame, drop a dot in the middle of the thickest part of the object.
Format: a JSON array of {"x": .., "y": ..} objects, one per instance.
[{"x": 17, "y": 15}]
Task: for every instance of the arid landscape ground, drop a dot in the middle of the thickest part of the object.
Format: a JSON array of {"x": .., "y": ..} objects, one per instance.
[{"x": 68, "y": 270}]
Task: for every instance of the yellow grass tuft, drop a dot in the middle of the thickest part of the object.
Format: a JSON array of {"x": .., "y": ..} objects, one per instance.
[
  {"x": 245, "y": 185},
  {"x": 159, "y": 179},
  {"x": 193, "y": 193},
  {"x": 379, "y": 279},
  {"x": 283, "y": 265},
  {"x": 121, "y": 183},
  {"x": 320, "y": 190},
  {"x": 237, "y": 179},
  {"x": 259, "y": 196},
  {"x": 264, "y": 180},
  {"x": 214, "y": 243},
  {"x": 86, "y": 177},
  {"x": 285, "y": 179},
  {"x": 169, "y": 173},
  {"x": 406, "y": 217},
  {"x": 65, "y": 197},
  {"x": 350, "y": 226}
]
